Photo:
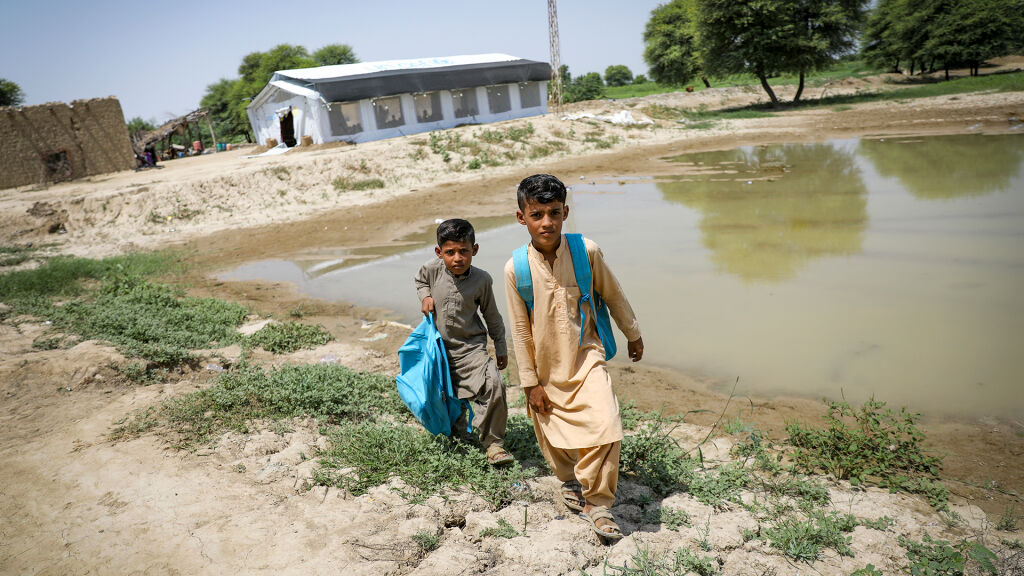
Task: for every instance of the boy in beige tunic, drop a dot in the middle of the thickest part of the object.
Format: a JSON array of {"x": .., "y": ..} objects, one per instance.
[
  {"x": 458, "y": 293},
  {"x": 569, "y": 393}
]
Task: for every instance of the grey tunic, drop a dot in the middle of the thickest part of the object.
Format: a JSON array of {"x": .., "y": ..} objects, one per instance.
[{"x": 456, "y": 301}]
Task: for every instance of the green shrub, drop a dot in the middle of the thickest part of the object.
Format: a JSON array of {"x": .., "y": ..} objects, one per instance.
[
  {"x": 287, "y": 337},
  {"x": 426, "y": 540},
  {"x": 869, "y": 444},
  {"x": 804, "y": 539},
  {"x": 654, "y": 459},
  {"x": 152, "y": 321},
  {"x": 327, "y": 391},
  {"x": 643, "y": 562},
  {"x": 933, "y": 557},
  {"x": 363, "y": 455},
  {"x": 503, "y": 530}
]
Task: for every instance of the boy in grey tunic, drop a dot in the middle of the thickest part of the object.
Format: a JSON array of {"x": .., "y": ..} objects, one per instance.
[{"x": 455, "y": 291}]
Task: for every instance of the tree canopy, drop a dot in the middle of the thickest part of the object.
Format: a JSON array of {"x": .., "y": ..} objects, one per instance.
[
  {"x": 670, "y": 46},
  {"x": 334, "y": 54},
  {"x": 227, "y": 99},
  {"x": 926, "y": 34},
  {"x": 618, "y": 75},
  {"x": 766, "y": 37},
  {"x": 10, "y": 93}
]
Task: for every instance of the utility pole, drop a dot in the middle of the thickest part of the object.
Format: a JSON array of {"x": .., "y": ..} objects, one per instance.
[{"x": 556, "y": 77}]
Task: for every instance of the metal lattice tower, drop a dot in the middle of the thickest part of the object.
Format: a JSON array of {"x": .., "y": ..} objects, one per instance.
[{"x": 556, "y": 78}]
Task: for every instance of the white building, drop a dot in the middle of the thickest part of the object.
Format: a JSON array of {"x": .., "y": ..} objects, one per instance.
[{"x": 375, "y": 100}]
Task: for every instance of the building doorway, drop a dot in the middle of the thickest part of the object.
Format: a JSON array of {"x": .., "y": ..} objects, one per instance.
[{"x": 288, "y": 129}]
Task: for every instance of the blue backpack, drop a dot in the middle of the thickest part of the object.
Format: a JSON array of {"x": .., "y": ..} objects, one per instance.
[
  {"x": 581, "y": 267},
  {"x": 425, "y": 384}
]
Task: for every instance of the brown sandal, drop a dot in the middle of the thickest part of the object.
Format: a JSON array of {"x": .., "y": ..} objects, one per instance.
[
  {"x": 610, "y": 530},
  {"x": 497, "y": 456},
  {"x": 572, "y": 496}
]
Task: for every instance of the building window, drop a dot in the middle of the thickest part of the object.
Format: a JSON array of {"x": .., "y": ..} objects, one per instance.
[
  {"x": 498, "y": 100},
  {"x": 465, "y": 103},
  {"x": 529, "y": 94},
  {"x": 345, "y": 118},
  {"x": 388, "y": 112},
  {"x": 428, "y": 107}
]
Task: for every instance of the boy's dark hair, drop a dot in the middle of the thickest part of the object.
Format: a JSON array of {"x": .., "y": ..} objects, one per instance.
[
  {"x": 455, "y": 230},
  {"x": 542, "y": 188}
]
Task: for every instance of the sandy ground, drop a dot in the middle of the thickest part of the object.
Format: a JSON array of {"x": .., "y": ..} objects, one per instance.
[{"x": 75, "y": 503}]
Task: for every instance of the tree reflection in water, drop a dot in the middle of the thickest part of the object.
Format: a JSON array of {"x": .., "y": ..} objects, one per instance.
[
  {"x": 769, "y": 210},
  {"x": 945, "y": 167}
]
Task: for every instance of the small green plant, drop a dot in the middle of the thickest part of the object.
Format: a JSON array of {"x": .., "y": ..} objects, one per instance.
[
  {"x": 868, "y": 570},
  {"x": 704, "y": 533},
  {"x": 643, "y": 562},
  {"x": 804, "y": 539},
  {"x": 503, "y": 530},
  {"x": 655, "y": 459},
  {"x": 869, "y": 443},
  {"x": 721, "y": 486},
  {"x": 285, "y": 338},
  {"x": 672, "y": 518},
  {"x": 881, "y": 523},
  {"x": 1009, "y": 520},
  {"x": 345, "y": 183},
  {"x": 474, "y": 164},
  {"x": 737, "y": 426},
  {"x": 933, "y": 557},
  {"x": 426, "y": 540}
]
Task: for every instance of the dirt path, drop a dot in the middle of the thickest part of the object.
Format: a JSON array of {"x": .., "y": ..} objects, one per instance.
[{"x": 75, "y": 503}]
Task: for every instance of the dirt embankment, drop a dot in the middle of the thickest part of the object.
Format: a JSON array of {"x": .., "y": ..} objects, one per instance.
[{"x": 75, "y": 503}]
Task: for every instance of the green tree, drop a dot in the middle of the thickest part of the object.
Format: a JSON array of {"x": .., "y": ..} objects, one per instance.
[
  {"x": 766, "y": 37},
  {"x": 564, "y": 74},
  {"x": 639, "y": 79},
  {"x": 227, "y": 99},
  {"x": 880, "y": 44},
  {"x": 137, "y": 124},
  {"x": 10, "y": 93},
  {"x": 586, "y": 87},
  {"x": 972, "y": 31},
  {"x": 670, "y": 46},
  {"x": 618, "y": 75},
  {"x": 333, "y": 54}
]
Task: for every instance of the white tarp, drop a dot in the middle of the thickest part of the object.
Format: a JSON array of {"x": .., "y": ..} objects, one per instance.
[{"x": 621, "y": 118}]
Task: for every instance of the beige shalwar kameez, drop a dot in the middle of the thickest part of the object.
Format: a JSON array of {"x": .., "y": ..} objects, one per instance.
[{"x": 580, "y": 437}]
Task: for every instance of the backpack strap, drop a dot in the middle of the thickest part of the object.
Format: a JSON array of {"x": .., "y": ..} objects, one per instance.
[
  {"x": 581, "y": 267},
  {"x": 589, "y": 297},
  {"x": 524, "y": 278}
]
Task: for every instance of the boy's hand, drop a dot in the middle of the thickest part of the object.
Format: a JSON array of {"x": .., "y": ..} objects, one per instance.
[
  {"x": 502, "y": 362},
  {"x": 636, "y": 349},
  {"x": 428, "y": 306},
  {"x": 538, "y": 400}
]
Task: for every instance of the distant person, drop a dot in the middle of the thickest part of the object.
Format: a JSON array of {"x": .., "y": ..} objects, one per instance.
[
  {"x": 457, "y": 293},
  {"x": 561, "y": 355}
]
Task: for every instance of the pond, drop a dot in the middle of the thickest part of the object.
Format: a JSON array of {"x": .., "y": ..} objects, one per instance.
[{"x": 889, "y": 267}]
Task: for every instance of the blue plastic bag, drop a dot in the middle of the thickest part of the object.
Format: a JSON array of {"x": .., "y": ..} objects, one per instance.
[{"x": 425, "y": 383}]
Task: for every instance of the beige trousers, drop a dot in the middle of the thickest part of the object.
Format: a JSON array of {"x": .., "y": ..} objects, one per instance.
[{"x": 595, "y": 468}]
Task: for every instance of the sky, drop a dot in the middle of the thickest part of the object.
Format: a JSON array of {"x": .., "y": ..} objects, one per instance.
[{"x": 158, "y": 59}]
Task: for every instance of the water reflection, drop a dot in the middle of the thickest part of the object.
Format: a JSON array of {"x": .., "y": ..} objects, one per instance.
[
  {"x": 943, "y": 167},
  {"x": 767, "y": 211}
]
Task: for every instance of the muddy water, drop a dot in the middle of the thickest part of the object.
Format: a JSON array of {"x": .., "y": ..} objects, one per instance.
[{"x": 885, "y": 267}]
